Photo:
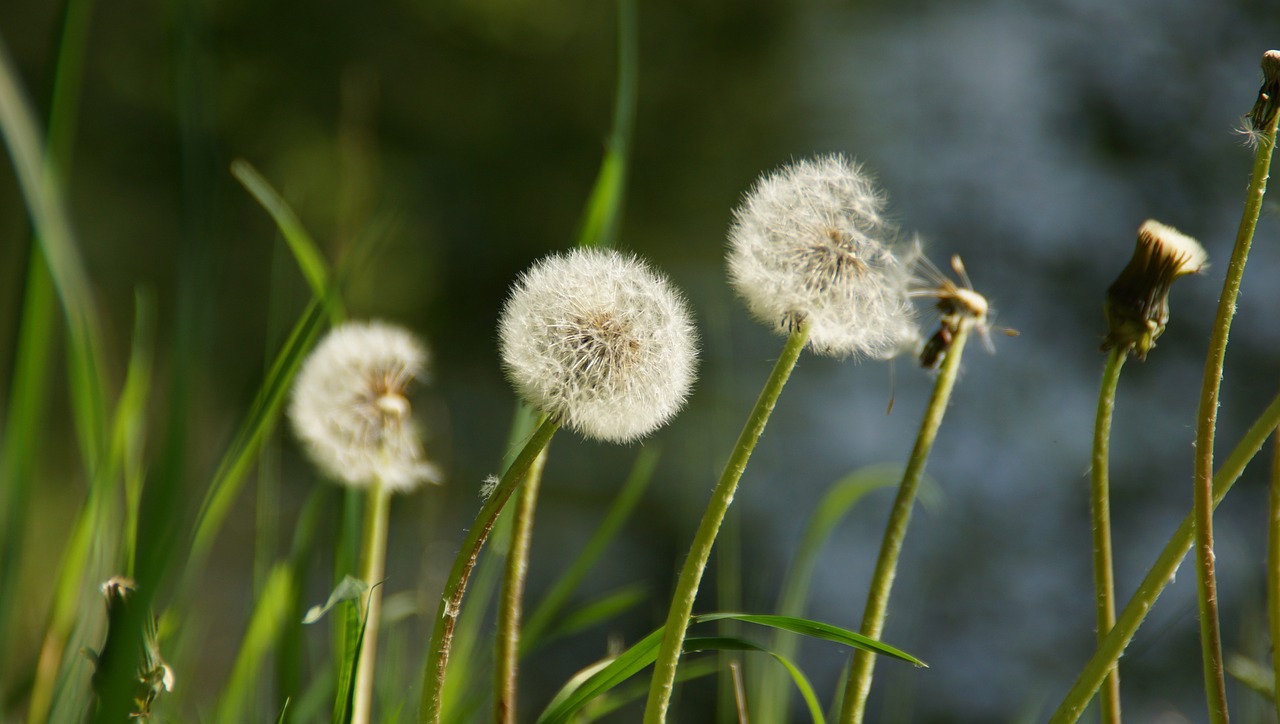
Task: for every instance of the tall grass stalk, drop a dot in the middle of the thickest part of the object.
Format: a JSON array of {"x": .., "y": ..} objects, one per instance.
[
  {"x": 858, "y": 685},
  {"x": 1100, "y": 509},
  {"x": 664, "y": 674},
  {"x": 1160, "y": 574},
  {"x": 1206, "y": 419},
  {"x": 510, "y": 603},
  {"x": 434, "y": 673}
]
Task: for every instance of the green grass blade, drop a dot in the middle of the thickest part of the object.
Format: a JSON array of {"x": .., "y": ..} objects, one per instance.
[
  {"x": 814, "y": 629},
  {"x": 773, "y": 694},
  {"x": 130, "y": 426},
  {"x": 304, "y": 248},
  {"x": 235, "y": 704},
  {"x": 624, "y": 504},
  {"x": 600, "y": 220},
  {"x": 620, "y": 696},
  {"x": 1253, "y": 674},
  {"x": 597, "y": 611},
  {"x": 733, "y": 643}
]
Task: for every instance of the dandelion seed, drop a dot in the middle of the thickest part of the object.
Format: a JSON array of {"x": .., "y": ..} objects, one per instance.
[
  {"x": 809, "y": 242},
  {"x": 600, "y": 341},
  {"x": 1137, "y": 305},
  {"x": 351, "y": 408},
  {"x": 489, "y": 485}
]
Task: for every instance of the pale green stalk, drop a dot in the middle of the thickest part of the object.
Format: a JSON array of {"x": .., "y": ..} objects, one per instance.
[
  {"x": 433, "y": 675},
  {"x": 373, "y": 562},
  {"x": 1100, "y": 508},
  {"x": 1160, "y": 575},
  {"x": 858, "y": 685},
  {"x": 1206, "y": 420},
  {"x": 1273, "y": 564},
  {"x": 510, "y": 604},
  {"x": 664, "y": 674}
]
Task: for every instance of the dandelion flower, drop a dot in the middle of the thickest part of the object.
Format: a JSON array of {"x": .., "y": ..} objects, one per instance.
[
  {"x": 809, "y": 242},
  {"x": 350, "y": 406},
  {"x": 600, "y": 341},
  {"x": 1137, "y": 305}
]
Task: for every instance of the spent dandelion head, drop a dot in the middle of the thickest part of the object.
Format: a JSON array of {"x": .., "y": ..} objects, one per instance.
[
  {"x": 810, "y": 242},
  {"x": 1254, "y": 125},
  {"x": 599, "y": 341},
  {"x": 351, "y": 409},
  {"x": 1137, "y": 305}
]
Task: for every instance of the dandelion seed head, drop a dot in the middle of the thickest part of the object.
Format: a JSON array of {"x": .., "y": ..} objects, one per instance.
[
  {"x": 350, "y": 406},
  {"x": 600, "y": 341},
  {"x": 1137, "y": 303},
  {"x": 810, "y": 242}
]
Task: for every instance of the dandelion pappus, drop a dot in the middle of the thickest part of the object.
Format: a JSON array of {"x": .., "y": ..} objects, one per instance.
[{"x": 955, "y": 303}]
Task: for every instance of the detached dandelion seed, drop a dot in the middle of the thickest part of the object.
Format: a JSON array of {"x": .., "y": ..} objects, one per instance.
[
  {"x": 601, "y": 342},
  {"x": 351, "y": 408},
  {"x": 810, "y": 242}
]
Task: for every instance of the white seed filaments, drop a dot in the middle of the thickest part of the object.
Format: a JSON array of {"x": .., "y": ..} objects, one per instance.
[
  {"x": 601, "y": 342},
  {"x": 810, "y": 242},
  {"x": 351, "y": 407}
]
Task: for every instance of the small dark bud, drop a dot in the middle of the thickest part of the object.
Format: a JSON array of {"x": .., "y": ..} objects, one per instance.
[{"x": 1137, "y": 305}]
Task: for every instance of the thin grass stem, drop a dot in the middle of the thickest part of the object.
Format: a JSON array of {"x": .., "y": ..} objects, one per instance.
[
  {"x": 510, "y": 603},
  {"x": 373, "y": 564},
  {"x": 863, "y": 668},
  {"x": 1206, "y": 583},
  {"x": 1273, "y": 565},
  {"x": 1100, "y": 509},
  {"x": 433, "y": 675},
  {"x": 664, "y": 674},
  {"x": 1160, "y": 574}
]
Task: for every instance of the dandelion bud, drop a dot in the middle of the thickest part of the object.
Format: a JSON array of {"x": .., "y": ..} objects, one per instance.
[
  {"x": 599, "y": 341},
  {"x": 809, "y": 243},
  {"x": 1137, "y": 305},
  {"x": 351, "y": 408}
]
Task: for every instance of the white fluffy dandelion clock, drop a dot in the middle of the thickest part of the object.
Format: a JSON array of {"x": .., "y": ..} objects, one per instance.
[
  {"x": 350, "y": 406},
  {"x": 601, "y": 342},
  {"x": 809, "y": 242}
]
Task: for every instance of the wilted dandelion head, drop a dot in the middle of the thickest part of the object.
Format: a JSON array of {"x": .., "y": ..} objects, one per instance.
[
  {"x": 351, "y": 407},
  {"x": 809, "y": 242},
  {"x": 1137, "y": 305},
  {"x": 601, "y": 342}
]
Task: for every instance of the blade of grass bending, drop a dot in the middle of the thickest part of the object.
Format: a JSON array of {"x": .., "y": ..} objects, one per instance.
[
  {"x": 270, "y": 617},
  {"x": 130, "y": 421},
  {"x": 304, "y": 248},
  {"x": 599, "y": 226},
  {"x": 853, "y": 707},
  {"x": 28, "y": 391},
  {"x": 817, "y": 630},
  {"x": 774, "y": 698},
  {"x": 537, "y": 625},
  {"x": 620, "y": 696},
  {"x": 1207, "y": 414},
  {"x": 1161, "y": 574}
]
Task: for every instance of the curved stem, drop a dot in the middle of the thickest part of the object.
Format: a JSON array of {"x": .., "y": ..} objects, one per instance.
[
  {"x": 858, "y": 686},
  {"x": 664, "y": 673},
  {"x": 373, "y": 560},
  {"x": 1100, "y": 508},
  {"x": 1210, "y": 635},
  {"x": 456, "y": 585},
  {"x": 1161, "y": 574},
  {"x": 507, "y": 653}
]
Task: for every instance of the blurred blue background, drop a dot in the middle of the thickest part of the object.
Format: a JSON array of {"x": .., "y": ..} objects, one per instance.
[{"x": 1030, "y": 138}]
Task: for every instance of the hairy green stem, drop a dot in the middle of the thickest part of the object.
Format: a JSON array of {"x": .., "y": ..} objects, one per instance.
[
  {"x": 507, "y": 653},
  {"x": 1100, "y": 508},
  {"x": 1206, "y": 584},
  {"x": 1161, "y": 574},
  {"x": 373, "y": 562},
  {"x": 664, "y": 674},
  {"x": 433, "y": 675},
  {"x": 858, "y": 686}
]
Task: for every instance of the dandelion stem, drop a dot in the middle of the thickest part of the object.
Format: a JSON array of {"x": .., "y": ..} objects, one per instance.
[
  {"x": 1273, "y": 562},
  {"x": 1161, "y": 574},
  {"x": 1100, "y": 509},
  {"x": 1210, "y": 635},
  {"x": 373, "y": 560},
  {"x": 451, "y": 600},
  {"x": 860, "y": 673},
  {"x": 664, "y": 674},
  {"x": 511, "y": 603}
]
